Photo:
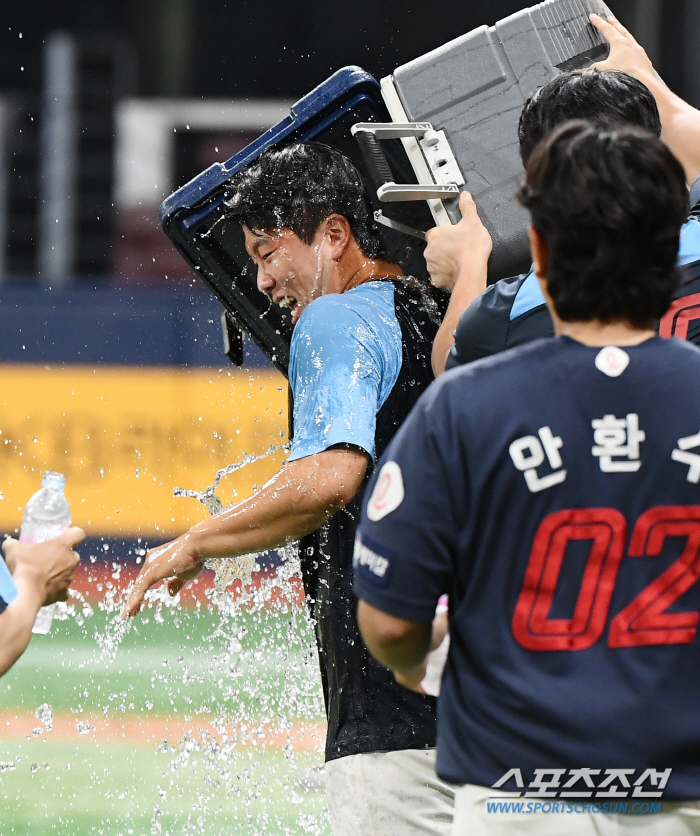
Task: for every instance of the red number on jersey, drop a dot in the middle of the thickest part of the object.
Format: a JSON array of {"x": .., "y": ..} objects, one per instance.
[
  {"x": 681, "y": 313},
  {"x": 645, "y": 620},
  {"x": 532, "y": 627}
]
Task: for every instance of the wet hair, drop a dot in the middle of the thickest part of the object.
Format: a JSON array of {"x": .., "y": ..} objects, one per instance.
[
  {"x": 298, "y": 186},
  {"x": 607, "y": 98},
  {"x": 610, "y": 205}
]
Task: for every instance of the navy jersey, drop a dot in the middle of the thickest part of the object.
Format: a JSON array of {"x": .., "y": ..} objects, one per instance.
[
  {"x": 553, "y": 492},
  {"x": 512, "y": 312}
]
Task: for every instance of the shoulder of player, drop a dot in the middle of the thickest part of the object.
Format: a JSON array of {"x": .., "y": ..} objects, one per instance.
[
  {"x": 336, "y": 322},
  {"x": 468, "y": 393},
  {"x": 483, "y": 327},
  {"x": 498, "y": 372},
  {"x": 499, "y": 297},
  {"x": 504, "y": 361},
  {"x": 685, "y": 349},
  {"x": 493, "y": 308},
  {"x": 351, "y": 305}
]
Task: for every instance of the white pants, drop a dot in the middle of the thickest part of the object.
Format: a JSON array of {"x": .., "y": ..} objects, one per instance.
[
  {"x": 388, "y": 794},
  {"x": 472, "y": 818}
]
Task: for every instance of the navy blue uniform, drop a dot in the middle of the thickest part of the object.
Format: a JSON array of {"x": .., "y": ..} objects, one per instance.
[
  {"x": 553, "y": 492},
  {"x": 512, "y": 312}
]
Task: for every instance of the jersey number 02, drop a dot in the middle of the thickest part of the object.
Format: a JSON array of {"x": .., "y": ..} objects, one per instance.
[{"x": 645, "y": 619}]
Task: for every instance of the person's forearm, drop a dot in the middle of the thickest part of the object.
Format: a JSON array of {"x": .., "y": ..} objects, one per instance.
[
  {"x": 470, "y": 283},
  {"x": 17, "y": 620},
  {"x": 405, "y": 658},
  {"x": 680, "y": 122},
  {"x": 258, "y": 524},
  {"x": 297, "y": 501},
  {"x": 680, "y": 125},
  {"x": 402, "y": 646}
]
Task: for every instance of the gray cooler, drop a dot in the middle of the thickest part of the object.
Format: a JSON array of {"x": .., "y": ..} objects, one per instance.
[{"x": 473, "y": 88}]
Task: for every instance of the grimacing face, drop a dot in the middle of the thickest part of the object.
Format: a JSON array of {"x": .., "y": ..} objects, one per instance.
[{"x": 291, "y": 272}]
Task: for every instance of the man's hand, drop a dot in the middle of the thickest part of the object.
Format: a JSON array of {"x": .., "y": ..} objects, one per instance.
[
  {"x": 680, "y": 121},
  {"x": 626, "y": 54},
  {"x": 176, "y": 560},
  {"x": 452, "y": 248},
  {"x": 46, "y": 567},
  {"x": 457, "y": 258},
  {"x": 42, "y": 573}
]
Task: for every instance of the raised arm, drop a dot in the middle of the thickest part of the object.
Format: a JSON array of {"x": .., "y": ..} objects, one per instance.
[
  {"x": 295, "y": 502},
  {"x": 457, "y": 259},
  {"x": 42, "y": 573},
  {"x": 680, "y": 121}
]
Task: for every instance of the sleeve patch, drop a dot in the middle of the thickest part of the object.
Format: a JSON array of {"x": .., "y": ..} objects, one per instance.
[
  {"x": 388, "y": 492},
  {"x": 369, "y": 565}
]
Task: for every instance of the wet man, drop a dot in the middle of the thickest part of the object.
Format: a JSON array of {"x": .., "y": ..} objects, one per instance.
[{"x": 360, "y": 358}]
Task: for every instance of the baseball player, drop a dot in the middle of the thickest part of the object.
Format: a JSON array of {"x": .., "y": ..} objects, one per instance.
[{"x": 553, "y": 492}]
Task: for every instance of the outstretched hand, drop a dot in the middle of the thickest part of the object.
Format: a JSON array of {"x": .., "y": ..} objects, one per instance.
[
  {"x": 48, "y": 566},
  {"x": 626, "y": 54},
  {"x": 451, "y": 248},
  {"x": 176, "y": 560}
]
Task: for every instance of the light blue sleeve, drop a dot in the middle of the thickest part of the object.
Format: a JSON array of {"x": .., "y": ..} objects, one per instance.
[
  {"x": 689, "y": 250},
  {"x": 345, "y": 359},
  {"x": 694, "y": 195},
  {"x": 8, "y": 590}
]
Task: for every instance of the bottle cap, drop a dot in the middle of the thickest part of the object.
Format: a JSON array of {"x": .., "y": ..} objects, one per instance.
[{"x": 53, "y": 481}]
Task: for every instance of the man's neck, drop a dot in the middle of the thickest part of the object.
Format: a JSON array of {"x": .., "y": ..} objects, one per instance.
[
  {"x": 373, "y": 271},
  {"x": 597, "y": 333},
  {"x": 594, "y": 332},
  {"x": 356, "y": 269}
]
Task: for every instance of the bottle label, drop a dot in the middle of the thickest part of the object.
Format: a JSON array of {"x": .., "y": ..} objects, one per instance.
[{"x": 46, "y": 532}]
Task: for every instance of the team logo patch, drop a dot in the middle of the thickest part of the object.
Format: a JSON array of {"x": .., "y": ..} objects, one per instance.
[
  {"x": 612, "y": 360},
  {"x": 388, "y": 492}
]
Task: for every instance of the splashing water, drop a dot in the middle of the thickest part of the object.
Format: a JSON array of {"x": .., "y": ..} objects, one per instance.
[
  {"x": 200, "y": 719},
  {"x": 44, "y": 714},
  {"x": 228, "y": 569},
  {"x": 251, "y": 717}
]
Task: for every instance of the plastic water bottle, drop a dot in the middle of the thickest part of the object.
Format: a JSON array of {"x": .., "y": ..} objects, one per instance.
[{"x": 46, "y": 514}]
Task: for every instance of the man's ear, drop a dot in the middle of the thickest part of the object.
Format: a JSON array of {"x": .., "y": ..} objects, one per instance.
[
  {"x": 338, "y": 234},
  {"x": 540, "y": 252}
]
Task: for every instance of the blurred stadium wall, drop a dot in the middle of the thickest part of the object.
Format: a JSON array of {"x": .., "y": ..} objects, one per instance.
[{"x": 129, "y": 394}]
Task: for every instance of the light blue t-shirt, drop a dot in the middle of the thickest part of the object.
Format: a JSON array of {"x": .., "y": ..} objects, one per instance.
[
  {"x": 345, "y": 359},
  {"x": 8, "y": 590}
]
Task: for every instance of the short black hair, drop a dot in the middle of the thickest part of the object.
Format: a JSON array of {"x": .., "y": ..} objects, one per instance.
[
  {"x": 610, "y": 205},
  {"x": 298, "y": 186},
  {"x": 607, "y": 98}
]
